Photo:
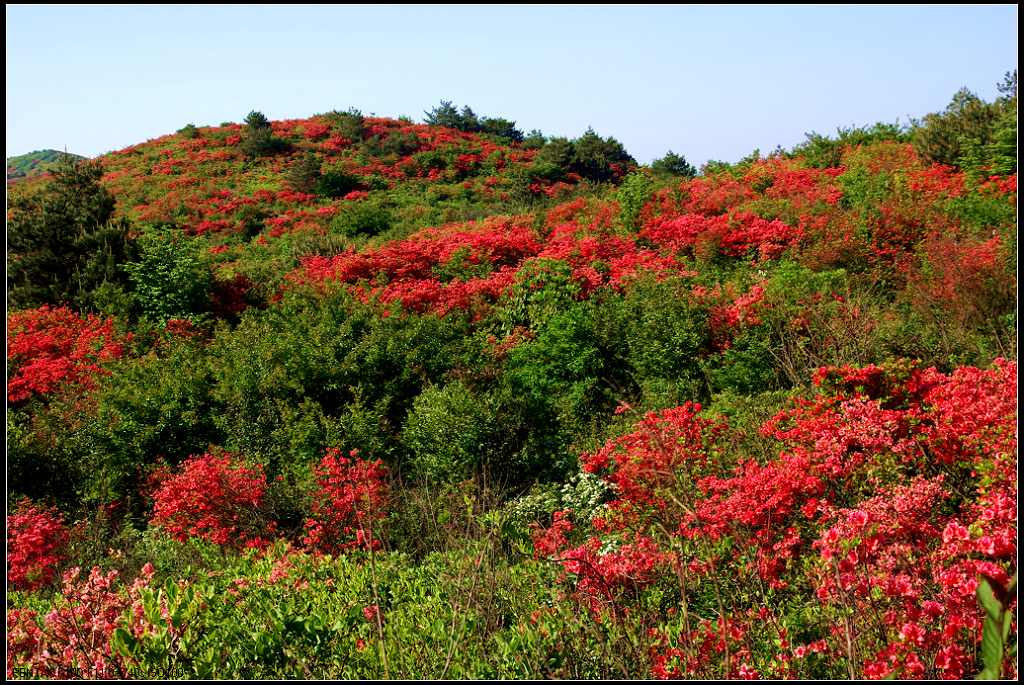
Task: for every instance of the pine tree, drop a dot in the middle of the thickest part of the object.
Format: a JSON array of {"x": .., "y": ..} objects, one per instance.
[
  {"x": 62, "y": 242},
  {"x": 305, "y": 173}
]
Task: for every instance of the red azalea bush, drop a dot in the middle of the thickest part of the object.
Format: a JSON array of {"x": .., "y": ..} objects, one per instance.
[
  {"x": 351, "y": 496},
  {"x": 52, "y": 347},
  {"x": 36, "y": 537},
  {"x": 74, "y": 639},
  {"x": 893, "y": 493},
  {"x": 216, "y": 499}
]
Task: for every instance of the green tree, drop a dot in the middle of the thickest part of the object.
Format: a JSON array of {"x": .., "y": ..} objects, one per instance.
[
  {"x": 673, "y": 164},
  {"x": 169, "y": 281},
  {"x": 349, "y": 124},
  {"x": 999, "y": 156},
  {"x": 258, "y": 138},
  {"x": 62, "y": 241},
  {"x": 445, "y": 114},
  {"x": 633, "y": 194},
  {"x": 600, "y": 159},
  {"x": 945, "y": 137},
  {"x": 503, "y": 128},
  {"x": 257, "y": 121},
  {"x": 304, "y": 174},
  {"x": 534, "y": 140}
]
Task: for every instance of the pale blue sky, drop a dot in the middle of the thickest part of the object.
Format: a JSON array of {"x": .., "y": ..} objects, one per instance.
[{"x": 705, "y": 81}]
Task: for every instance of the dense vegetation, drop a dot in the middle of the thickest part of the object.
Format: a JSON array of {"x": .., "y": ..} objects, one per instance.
[
  {"x": 355, "y": 397},
  {"x": 34, "y": 163}
]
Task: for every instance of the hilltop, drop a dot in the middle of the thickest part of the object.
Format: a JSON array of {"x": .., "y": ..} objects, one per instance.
[{"x": 33, "y": 163}]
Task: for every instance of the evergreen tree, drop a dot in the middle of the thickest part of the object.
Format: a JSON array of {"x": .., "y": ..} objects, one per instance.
[
  {"x": 258, "y": 137},
  {"x": 445, "y": 114},
  {"x": 62, "y": 243},
  {"x": 256, "y": 121},
  {"x": 599, "y": 159},
  {"x": 305, "y": 173},
  {"x": 675, "y": 165},
  {"x": 965, "y": 125}
]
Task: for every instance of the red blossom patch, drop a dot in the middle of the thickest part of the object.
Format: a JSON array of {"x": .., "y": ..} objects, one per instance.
[
  {"x": 51, "y": 348},
  {"x": 215, "y": 499},
  {"x": 350, "y": 498}
]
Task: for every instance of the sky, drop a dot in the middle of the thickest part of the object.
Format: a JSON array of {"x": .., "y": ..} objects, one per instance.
[{"x": 708, "y": 82}]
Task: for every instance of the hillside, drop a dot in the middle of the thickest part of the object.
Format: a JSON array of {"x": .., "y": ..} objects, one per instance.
[
  {"x": 33, "y": 163},
  {"x": 357, "y": 397}
]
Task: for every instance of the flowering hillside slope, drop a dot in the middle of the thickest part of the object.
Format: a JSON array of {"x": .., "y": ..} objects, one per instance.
[{"x": 356, "y": 397}]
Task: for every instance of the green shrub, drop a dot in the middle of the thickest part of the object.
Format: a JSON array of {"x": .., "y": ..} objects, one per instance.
[
  {"x": 258, "y": 139},
  {"x": 946, "y": 137},
  {"x": 362, "y": 218},
  {"x": 543, "y": 287},
  {"x": 311, "y": 369},
  {"x": 600, "y": 159},
  {"x": 304, "y": 175},
  {"x": 446, "y": 433},
  {"x": 335, "y": 183},
  {"x": 170, "y": 280},
  {"x": 349, "y": 124},
  {"x": 156, "y": 407},
  {"x": 662, "y": 335},
  {"x": 632, "y": 195},
  {"x": 821, "y": 151}
]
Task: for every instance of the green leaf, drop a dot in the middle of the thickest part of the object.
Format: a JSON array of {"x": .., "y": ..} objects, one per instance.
[
  {"x": 991, "y": 646},
  {"x": 123, "y": 642},
  {"x": 988, "y": 600}
]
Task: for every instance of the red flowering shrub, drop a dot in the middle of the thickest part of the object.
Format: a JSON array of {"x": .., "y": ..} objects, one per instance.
[
  {"x": 73, "y": 640},
  {"x": 966, "y": 283},
  {"x": 50, "y": 348},
  {"x": 732, "y": 235},
  {"x": 214, "y": 499},
  {"x": 351, "y": 495},
  {"x": 666, "y": 446},
  {"x": 35, "y": 540},
  {"x": 845, "y": 513}
]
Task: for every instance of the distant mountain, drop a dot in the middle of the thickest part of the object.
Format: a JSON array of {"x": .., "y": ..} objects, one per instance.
[{"x": 33, "y": 163}]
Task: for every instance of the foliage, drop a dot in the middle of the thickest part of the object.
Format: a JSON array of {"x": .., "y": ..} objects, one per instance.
[
  {"x": 170, "y": 280},
  {"x": 446, "y": 432},
  {"x": 304, "y": 176},
  {"x": 623, "y": 424},
  {"x": 447, "y": 114},
  {"x": 673, "y": 164},
  {"x": 258, "y": 139},
  {"x": 633, "y": 194},
  {"x": 63, "y": 241},
  {"x": 977, "y": 136},
  {"x": 823, "y": 151}
]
